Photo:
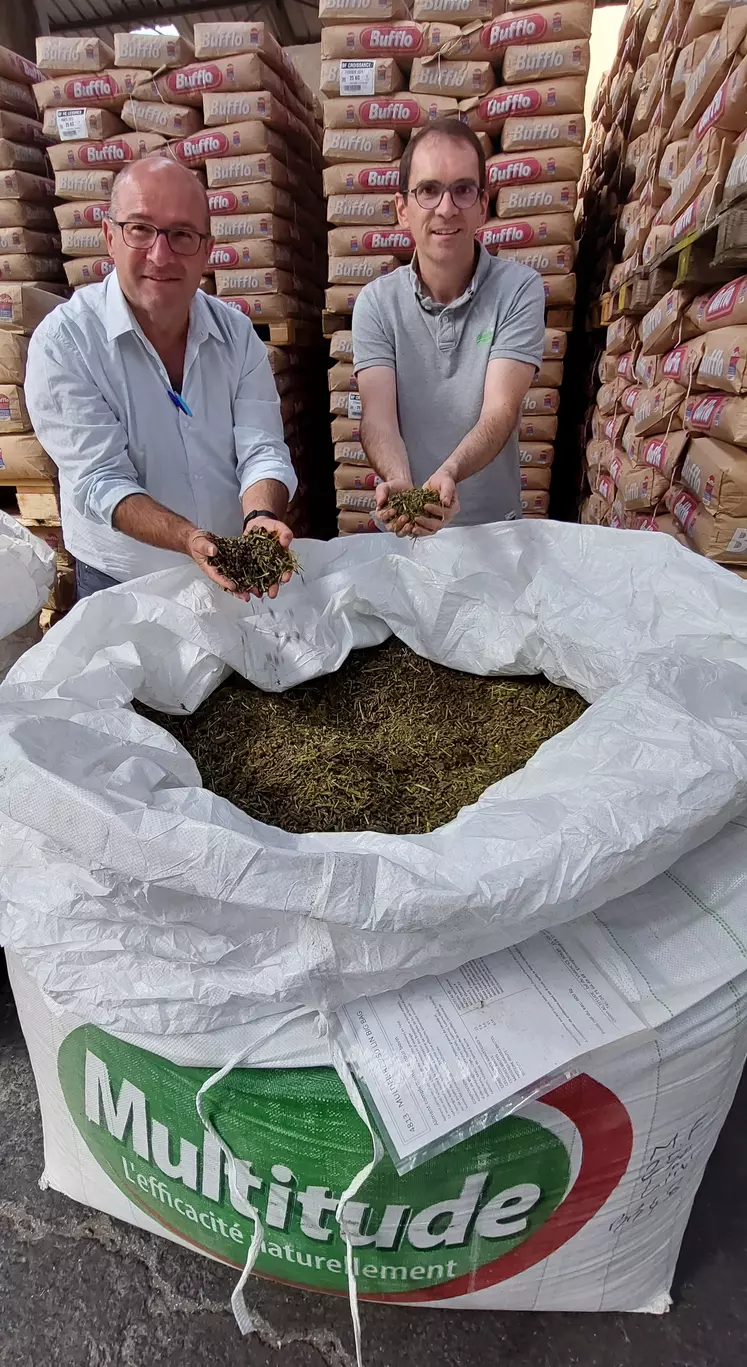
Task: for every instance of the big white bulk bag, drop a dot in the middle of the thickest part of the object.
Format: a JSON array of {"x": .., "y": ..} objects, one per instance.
[
  {"x": 157, "y": 933},
  {"x": 26, "y": 575}
]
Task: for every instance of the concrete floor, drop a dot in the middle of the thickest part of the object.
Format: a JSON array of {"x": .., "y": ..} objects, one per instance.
[{"x": 80, "y": 1290}]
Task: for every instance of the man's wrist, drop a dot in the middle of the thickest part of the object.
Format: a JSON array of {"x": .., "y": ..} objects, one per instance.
[
  {"x": 260, "y": 512},
  {"x": 449, "y": 468}
]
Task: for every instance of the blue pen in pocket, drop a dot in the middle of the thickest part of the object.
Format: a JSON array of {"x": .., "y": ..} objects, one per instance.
[{"x": 178, "y": 402}]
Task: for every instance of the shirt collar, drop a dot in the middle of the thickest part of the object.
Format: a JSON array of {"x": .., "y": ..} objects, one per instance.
[
  {"x": 424, "y": 299},
  {"x": 120, "y": 319}
]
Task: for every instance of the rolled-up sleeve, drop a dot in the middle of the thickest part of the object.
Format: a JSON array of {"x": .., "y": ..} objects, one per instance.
[
  {"x": 261, "y": 452},
  {"x": 76, "y": 426}
]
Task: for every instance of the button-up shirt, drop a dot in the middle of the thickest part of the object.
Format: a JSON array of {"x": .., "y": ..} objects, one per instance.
[
  {"x": 440, "y": 355},
  {"x": 98, "y": 396}
]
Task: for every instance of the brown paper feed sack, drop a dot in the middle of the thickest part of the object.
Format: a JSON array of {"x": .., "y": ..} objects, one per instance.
[
  {"x": 462, "y": 80},
  {"x": 361, "y": 144},
  {"x": 368, "y": 241},
  {"x": 153, "y": 51},
  {"x": 547, "y": 260},
  {"x": 106, "y": 90},
  {"x": 717, "y": 415},
  {"x": 725, "y": 307},
  {"x": 170, "y": 120},
  {"x": 361, "y": 178},
  {"x": 559, "y": 289},
  {"x": 362, "y": 210},
  {"x": 397, "y": 111},
  {"x": 360, "y": 76},
  {"x": 559, "y": 130},
  {"x": 13, "y": 414},
  {"x": 717, "y": 474},
  {"x": 534, "y": 428},
  {"x": 22, "y": 306},
  {"x": 523, "y": 168},
  {"x": 22, "y": 458},
  {"x": 28, "y": 241},
  {"x": 489, "y": 113},
  {"x": 557, "y": 197},
  {"x": 545, "y": 60},
  {"x": 358, "y": 270},
  {"x": 60, "y": 56}
]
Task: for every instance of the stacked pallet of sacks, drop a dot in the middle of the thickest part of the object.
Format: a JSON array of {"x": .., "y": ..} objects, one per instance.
[
  {"x": 232, "y": 108},
  {"x": 668, "y": 432},
  {"x": 81, "y": 100},
  {"x": 518, "y": 78},
  {"x": 31, "y": 285}
]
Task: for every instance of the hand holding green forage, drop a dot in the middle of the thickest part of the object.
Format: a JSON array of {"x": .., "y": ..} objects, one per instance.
[{"x": 255, "y": 562}]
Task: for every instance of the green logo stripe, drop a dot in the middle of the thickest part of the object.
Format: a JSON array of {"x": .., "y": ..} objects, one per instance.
[{"x": 299, "y": 1142}]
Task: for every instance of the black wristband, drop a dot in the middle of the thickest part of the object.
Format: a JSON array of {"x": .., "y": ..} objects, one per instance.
[{"x": 259, "y": 512}]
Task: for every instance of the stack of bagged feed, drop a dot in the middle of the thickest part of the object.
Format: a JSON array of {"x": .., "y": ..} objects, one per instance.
[
  {"x": 31, "y": 285},
  {"x": 82, "y": 99},
  {"x": 667, "y": 436},
  {"x": 518, "y": 79}
]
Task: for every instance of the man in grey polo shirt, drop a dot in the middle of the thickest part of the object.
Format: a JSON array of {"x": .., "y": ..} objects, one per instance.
[{"x": 445, "y": 349}]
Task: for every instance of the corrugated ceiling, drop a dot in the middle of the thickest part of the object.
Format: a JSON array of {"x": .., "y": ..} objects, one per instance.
[{"x": 294, "y": 21}]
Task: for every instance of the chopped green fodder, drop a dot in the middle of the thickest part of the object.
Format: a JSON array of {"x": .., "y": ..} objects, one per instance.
[
  {"x": 254, "y": 561},
  {"x": 391, "y": 742},
  {"x": 412, "y": 502}
]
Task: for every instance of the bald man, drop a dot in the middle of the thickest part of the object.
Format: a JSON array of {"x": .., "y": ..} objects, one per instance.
[{"x": 155, "y": 400}]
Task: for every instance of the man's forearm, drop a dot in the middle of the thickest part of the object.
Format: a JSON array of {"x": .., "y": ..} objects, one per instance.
[
  {"x": 140, "y": 517},
  {"x": 269, "y": 494},
  {"x": 481, "y": 444},
  {"x": 385, "y": 451}
]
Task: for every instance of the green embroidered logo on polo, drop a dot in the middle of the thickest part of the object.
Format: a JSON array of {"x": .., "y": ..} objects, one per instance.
[{"x": 485, "y": 336}]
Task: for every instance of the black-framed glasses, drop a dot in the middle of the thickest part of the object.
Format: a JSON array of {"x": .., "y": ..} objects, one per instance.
[
  {"x": 143, "y": 236},
  {"x": 429, "y": 193}
]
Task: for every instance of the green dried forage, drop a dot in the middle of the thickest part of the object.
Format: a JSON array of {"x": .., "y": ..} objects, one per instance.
[
  {"x": 391, "y": 742},
  {"x": 412, "y": 502},
  {"x": 254, "y": 561}
]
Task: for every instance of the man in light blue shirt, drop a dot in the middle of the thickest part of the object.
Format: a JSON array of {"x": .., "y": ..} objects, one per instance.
[{"x": 155, "y": 400}]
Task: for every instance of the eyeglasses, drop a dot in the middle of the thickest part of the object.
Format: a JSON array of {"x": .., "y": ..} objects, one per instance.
[
  {"x": 430, "y": 193},
  {"x": 143, "y": 236}
]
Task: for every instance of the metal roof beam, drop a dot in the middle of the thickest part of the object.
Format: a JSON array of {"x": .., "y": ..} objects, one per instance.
[{"x": 148, "y": 13}]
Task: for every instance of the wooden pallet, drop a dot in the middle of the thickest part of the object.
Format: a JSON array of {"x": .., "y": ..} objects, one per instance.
[
  {"x": 288, "y": 332},
  {"x": 335, "y": 322},
  {"x": 712, "y": 255},
  {"x": 33, "y": 500}
]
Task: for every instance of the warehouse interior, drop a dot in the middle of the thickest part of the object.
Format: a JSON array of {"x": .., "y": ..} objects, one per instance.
[{"x": 240, "y": 850}]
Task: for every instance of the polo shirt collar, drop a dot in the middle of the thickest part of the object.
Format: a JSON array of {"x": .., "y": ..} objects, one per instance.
[
  {"x": 119, "y": 318},
  {"x": 424, "y": 299}
]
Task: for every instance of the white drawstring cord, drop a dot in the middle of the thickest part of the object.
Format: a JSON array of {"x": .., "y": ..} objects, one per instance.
[
  {"x": 238, "y": 1304},
  {"x": 356, "y": 1101}
]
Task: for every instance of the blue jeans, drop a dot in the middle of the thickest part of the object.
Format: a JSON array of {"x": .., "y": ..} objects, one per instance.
[{"x": 88, "y": 580}]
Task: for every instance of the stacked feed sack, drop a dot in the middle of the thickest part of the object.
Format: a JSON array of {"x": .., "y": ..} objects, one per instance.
[
  {"x": 31, "y": 284},
  {"x": 81, "y": 100},
  {"x": 666, "y": 448}
]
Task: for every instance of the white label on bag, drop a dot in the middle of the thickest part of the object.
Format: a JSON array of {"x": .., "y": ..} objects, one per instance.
[
  {"x": 441, "y": 1051},
  {"x": 355, "y": 407},
  {"x": 71, "y": 124},
  {"x": 738, "y": 543},
  {"x": 357, "y": 78}
]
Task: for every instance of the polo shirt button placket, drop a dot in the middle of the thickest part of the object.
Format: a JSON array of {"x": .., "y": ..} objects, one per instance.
[{"x": 446, "y": 331}]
